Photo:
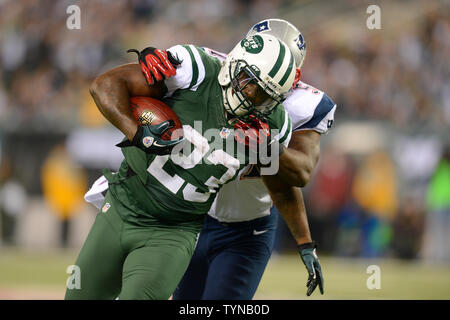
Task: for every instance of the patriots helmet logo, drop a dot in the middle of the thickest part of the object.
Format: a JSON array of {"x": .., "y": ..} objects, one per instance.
[
  {"x": 262, "y": 26},
  {"x": 300, "y": 41}
]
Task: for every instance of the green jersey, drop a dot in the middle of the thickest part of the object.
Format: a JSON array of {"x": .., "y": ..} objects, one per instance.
[{"x": 180, "y": 188}]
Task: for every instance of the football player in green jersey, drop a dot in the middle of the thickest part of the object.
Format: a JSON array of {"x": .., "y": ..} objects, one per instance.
[{"x": 144, "y": 236}]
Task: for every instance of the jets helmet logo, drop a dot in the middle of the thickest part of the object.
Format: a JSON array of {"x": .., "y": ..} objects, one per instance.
[{"x": 253, "y": 44}]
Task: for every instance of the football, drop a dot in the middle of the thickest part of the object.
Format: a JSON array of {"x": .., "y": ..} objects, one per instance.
[{"x": 149, "y": 111}]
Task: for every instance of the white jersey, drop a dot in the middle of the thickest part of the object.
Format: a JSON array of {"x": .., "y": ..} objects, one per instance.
[{"x": 247, "y": 198}]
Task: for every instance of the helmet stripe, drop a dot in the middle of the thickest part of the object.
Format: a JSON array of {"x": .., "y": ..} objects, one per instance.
[
  {"x": 288, "y": 71},
  {"x": 279, "y": 61}
]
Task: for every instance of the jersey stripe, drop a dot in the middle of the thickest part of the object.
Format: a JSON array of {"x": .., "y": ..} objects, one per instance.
[
  {"x": 323, "y": 108},
  {"x": 200, "y": 65},
  {"x": 279, "y": 62},
  {"x": 286, "y": 125},
  {"x": 286, "y": 140},
  {"x": 287, "y": 134},
  {"x": 288, "y": 71},
  {"x": 194, "y": 67}
]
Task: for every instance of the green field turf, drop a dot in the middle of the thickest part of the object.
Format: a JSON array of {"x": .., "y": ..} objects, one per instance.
[
  {"x": 285, "y": 278},
  {"x": 42, "y": 275}
]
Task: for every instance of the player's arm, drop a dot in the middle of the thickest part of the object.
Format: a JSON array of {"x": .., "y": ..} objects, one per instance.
[
  {"x": 290, "y": 204},
  {"x": 297, "y": 162},
  {"x": 112, "y": 90}
]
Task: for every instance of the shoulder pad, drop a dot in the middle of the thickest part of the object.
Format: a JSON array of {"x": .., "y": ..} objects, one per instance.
[
  {"x": 191, "y": 71},
  {"x": 310, "y": 108}
]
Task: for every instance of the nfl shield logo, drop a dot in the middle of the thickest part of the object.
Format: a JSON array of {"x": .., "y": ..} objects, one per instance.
[
  {"x": 106, "y": 207},
  {"x": 147, "y": 141},
  {"x": 224, "y": 133}
]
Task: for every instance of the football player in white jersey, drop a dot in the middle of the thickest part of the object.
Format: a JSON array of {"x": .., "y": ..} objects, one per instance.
[{"x": 237, "y": 238}]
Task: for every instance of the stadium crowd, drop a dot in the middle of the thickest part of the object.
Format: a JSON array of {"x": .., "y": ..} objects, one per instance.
[{"x": 370, "y": 206}]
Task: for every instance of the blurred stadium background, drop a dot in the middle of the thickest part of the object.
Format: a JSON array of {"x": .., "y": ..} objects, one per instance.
[{"x": 380, "y": 195}]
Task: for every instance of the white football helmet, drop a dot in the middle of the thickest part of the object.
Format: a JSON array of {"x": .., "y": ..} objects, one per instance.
[
  {"x": 267, "y": 62},
  {"x": 286, "y": 32}
]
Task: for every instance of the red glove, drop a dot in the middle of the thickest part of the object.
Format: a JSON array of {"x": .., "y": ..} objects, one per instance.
[
  {"x": 253, "y": 133},
  {"x": 156, "y": 64}
]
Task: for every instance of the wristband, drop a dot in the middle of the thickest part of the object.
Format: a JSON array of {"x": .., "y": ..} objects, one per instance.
[
  {"x": 308, "y": 245},
  {"x": 138, "y": 135}
]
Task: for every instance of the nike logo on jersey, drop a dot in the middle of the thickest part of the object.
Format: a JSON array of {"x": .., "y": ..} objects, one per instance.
[{"x": 255, "y": 232}]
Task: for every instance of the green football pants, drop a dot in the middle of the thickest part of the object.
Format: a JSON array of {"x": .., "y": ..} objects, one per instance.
[{"x": 120, "y": 259}]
